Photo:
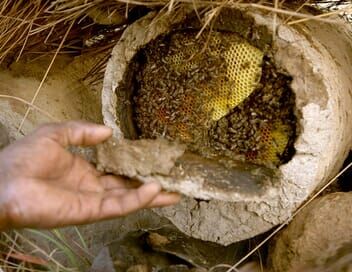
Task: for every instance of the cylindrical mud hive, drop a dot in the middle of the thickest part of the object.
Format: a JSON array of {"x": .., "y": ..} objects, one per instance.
[{"x": 293, "y": 89}]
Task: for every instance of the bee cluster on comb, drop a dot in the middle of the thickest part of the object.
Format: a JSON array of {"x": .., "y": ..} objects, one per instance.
[{"x": 218, "y": 94}]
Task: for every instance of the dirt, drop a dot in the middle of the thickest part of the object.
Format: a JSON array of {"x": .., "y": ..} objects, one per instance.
[{"x": 141, "y": 157}]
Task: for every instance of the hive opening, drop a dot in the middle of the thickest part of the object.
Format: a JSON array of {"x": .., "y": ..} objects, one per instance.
[{"x": 217, "y": 93}]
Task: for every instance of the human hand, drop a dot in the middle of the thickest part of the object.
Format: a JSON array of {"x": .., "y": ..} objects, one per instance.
[{"x": 43, "y": 185}]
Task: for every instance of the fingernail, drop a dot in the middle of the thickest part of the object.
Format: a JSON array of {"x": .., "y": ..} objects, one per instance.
[
  {"x": 100, "y": 129},
  {"x": 176, "y": 197},
  {"x": 107, "y": 129}
]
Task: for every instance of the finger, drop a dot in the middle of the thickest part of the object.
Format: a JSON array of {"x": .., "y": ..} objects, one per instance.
[
  {"x": 95, "y": 207},
  {"x": 59, "y": 207},
  {"x": 114, "y": 182},
  {"x": 132, "y": 201},
  {"x": 76, "y": 133},
  {"x": 165, "y": 199},
  {"x": 110, "y": 182},
  {"x": 87, "y": 207}
]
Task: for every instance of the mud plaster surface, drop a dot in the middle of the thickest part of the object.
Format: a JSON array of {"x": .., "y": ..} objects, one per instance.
[
  {"x": 320, "y": 66},
  {"x": 64, "y": 94},
  {"x": 166, "y": 162},
  {"x": 140, "y": 157}
]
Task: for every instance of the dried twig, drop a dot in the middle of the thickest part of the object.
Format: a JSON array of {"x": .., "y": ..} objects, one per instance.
[{"x": 276, "y": 6}]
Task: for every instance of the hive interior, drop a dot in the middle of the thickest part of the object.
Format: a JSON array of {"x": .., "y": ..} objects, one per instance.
[{"x": 218, "y": 94}]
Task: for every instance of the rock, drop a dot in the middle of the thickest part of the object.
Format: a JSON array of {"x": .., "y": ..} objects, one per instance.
[
  {"x": 103, "y": 262},
  {"x": 200, "y": 254},
  {"x": 317, "y": 237}
]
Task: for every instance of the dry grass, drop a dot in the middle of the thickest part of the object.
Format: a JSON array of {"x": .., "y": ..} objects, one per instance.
[
  {"x": 46, "y": 74},
  {"x": 37, "y": 26},
  {"x": 22, "y": 254}
]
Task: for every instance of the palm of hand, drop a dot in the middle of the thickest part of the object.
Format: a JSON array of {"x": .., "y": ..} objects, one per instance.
[{"x": 44, "y": 185}]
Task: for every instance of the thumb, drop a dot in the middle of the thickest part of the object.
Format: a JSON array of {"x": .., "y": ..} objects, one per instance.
[{"x": 75, "y": 133}]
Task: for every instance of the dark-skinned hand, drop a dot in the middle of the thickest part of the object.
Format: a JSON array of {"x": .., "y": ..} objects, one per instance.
[{"x": 42, "y": 185}]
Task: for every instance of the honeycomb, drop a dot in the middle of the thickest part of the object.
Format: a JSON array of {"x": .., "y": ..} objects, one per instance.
[
  {"x": 243, "y": 62},
  {"x": 275, "y": 140},
  {"x": 277, "y": 144},
  {"x": 205, "y": 92}
]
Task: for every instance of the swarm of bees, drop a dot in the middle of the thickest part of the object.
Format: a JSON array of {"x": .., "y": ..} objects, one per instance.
[
  {"x": 270, "y": 107},
  {"x": 170, "y": 102}
]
